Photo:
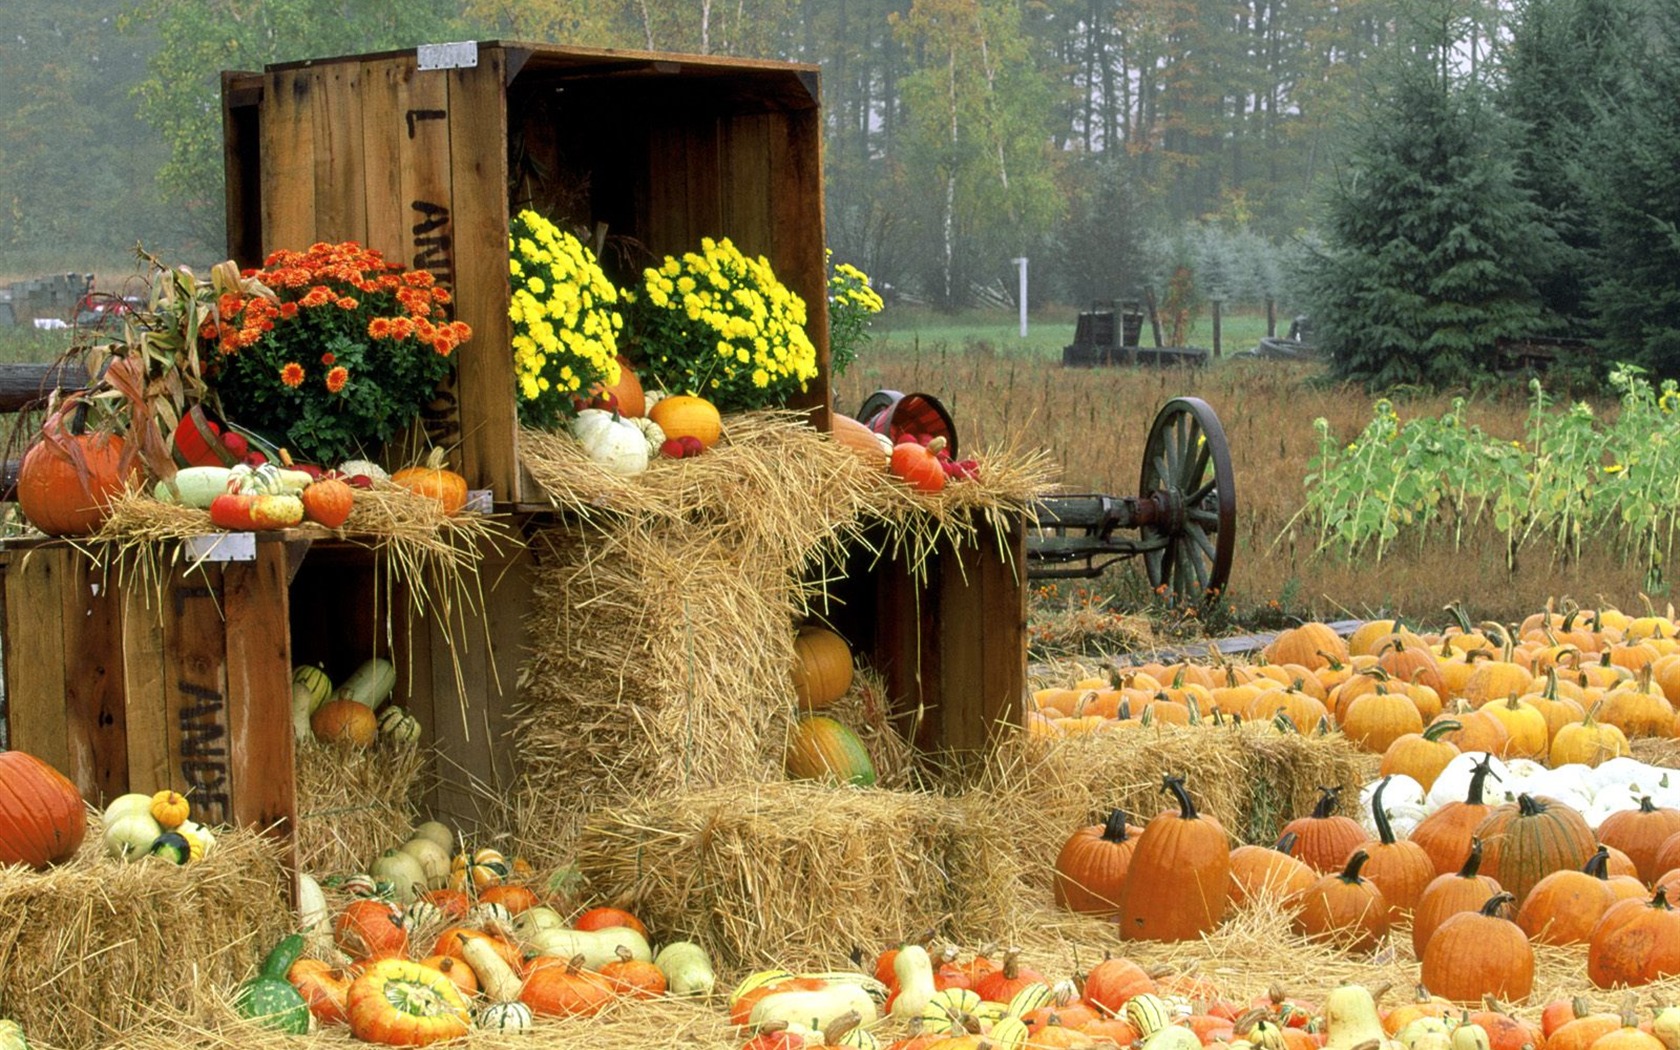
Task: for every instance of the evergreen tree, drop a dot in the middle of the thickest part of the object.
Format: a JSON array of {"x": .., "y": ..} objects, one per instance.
[
  {"x": 1100, "y": 251},
  {"x": 1564, "y": 59},
  {"x": 1430, "y": 246},
  {"x": 1635, "y": 191}
]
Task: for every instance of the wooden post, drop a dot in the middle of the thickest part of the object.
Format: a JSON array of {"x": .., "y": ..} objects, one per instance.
[
  {"x": 1154, "y": 318},
  {"x": 1271, "y": 318},
  {"x": 1215, "y": 304}
]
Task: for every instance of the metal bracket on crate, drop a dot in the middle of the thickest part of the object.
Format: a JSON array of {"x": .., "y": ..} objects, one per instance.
[{"x": 221, "y": 546}]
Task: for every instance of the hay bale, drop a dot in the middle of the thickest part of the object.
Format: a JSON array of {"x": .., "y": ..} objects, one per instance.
[
  {"x": 799, "y": 874},
  {"x": 662, "y": 623},
  {"x": 354, "y": 805},
  {"x": 95, "y": 946},
  {"x": 1251, "y": 778}
]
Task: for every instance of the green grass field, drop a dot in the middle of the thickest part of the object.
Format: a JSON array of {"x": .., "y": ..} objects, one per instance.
[{"x": 1048, "y": 330}]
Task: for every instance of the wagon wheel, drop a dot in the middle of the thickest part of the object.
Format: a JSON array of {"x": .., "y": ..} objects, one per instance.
[{"x": 1187, "y": 478}]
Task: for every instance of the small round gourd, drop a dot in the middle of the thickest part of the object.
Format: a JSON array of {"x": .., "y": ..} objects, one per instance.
[
  {"x": 505, "y": 1017},
  {"x": 822, "y": 669}
]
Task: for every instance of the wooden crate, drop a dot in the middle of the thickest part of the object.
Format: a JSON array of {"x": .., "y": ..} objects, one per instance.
[
  {"x": 427, "y": 166},
  {"x": 129, "y": 689}
]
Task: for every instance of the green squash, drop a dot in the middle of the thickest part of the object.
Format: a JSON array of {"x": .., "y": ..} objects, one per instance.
[
  {"x": 173, "y": 847},
  {"x": 269, "y": 999}
]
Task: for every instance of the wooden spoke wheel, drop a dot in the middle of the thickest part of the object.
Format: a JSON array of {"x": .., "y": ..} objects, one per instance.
[{"x": 1188, "y": 503}]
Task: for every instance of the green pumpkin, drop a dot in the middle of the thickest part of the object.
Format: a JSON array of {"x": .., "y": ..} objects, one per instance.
[
  {"x": 173, "y": 847},
  {"x": 820, "y": 748},
  {"x": 269, "y": 999}
]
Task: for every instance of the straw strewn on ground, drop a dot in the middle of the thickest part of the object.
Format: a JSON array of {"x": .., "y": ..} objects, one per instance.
[{"x": 94, "y": 946}]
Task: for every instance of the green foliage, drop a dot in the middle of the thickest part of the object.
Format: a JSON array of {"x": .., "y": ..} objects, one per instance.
[
  {"x": 1099, "y": 249},
  {"x": 1574, "y": 480},
  {"x": 1566, "y": 58},
  {"x": 1429, "y": 244},
  {"x": 1635, "y": 187}
]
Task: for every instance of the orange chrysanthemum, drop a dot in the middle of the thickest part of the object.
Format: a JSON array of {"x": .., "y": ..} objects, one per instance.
[
  {"x": 337, "y": 378},
  {"x": 291, "y": 373}
]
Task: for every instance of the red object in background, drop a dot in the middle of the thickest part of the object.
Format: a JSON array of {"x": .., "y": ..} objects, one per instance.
[
  {"x": 909, "y": 417},
  {"x": 198, "y": 442}
]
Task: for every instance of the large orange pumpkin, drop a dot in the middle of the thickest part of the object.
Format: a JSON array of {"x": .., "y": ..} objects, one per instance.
[
  {"x": 1092, "y": 865},
  {"x": 1479, "y": 953},
  {"x": 1635, "y": 943},
  {"x": 1526, "y": 840},
  {"x": 1179, "y": 881},
  {"x": 436, "y": 480},
  {"x": 631, "y": 399},
  {"x": 682, "y": 414},
  {"x": 42, "y": 819},
  {"x": 1325, "y": 839},
  {"x": 67, "y": 481}
]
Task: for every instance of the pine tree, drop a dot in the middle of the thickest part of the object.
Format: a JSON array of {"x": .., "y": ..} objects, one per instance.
[
  {"x": 1565, "y": 57},
  {"x": 1635, "y": 191},
  {"x": 1430, "y": 246}
]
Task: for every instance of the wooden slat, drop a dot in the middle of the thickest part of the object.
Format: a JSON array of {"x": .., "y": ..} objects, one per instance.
[
  {"x": 340, "y": 190},
  {"x": 799, "y": 252},
  {"x": 196, "y": 692},
  {"x": 747, "y": 195},
  {"x": 411, "y": 651},
  {"x": 478, "y": 144},
  {"x": 429, "y": 220},
  {"x": 259, "y": 665},
  {"x": 242, "y": 165},
  {"x": 94, "y": 701},
  {"x": 982, "y": 617},
  {"x": 383, "y": 132},
  {"x": 35, "y": 656},
  {"x": 146, "y": 711},
  {"x": 288, "y": 171}
]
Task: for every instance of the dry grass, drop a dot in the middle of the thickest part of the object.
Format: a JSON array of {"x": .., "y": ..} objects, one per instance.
[{"x": 1093, "y": 424}]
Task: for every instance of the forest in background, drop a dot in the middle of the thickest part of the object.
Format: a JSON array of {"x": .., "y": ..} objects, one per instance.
[{"x": 1108, "y": 141}]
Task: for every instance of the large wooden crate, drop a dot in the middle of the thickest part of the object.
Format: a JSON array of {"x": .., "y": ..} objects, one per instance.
[
  {"x": 428, "y": 164},
  {"x": 426, "y": 159},
  {"x": 130, "y": 688}
]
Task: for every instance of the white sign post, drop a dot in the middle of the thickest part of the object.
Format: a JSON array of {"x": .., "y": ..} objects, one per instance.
[{"x": 1021, "y": 265}]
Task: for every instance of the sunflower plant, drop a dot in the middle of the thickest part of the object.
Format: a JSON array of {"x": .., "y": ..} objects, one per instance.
[
  {"x": 334, "y": 350},
  {"x": 566, "y": 320},
  {"x": 720, "y": 325}
]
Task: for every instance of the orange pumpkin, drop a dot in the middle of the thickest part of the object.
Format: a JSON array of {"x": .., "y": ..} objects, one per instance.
[
  {"x": 1636, "y": 942},
  {"x": 684, "y": 414},
  {"x": 1091, "y": 867},
  {"x": 1325, "y": 839},
  {"x": 67, "y": 481},
  {"x": 822, "y": 668},
  {"x": 1448, "y": 895},
  {"x": 629, "y": 399},
  {"x": 327, "y": 502},
  {"x": 347, "y": 723},
  {"x": 42, "y": 819},
  {"x": 1475, "y": 954},
  {"x": 401, "y": 1003},
  {"x": 605, "y": 918},
  {"x": 632, "y": 977},
  {"x": 1179, "y": 881},
  {"x": 1526, "y": 840},
  {"x": 512, "y": 896},
  {"x": 556, "y": 988},
  {"x": 370, "y": 929},
  {"x": 1344, "y": 907},
  {"x": 323, "y": 986},
  {"x": 458, "y": 971},
  {"x": 435, "y": 480}
]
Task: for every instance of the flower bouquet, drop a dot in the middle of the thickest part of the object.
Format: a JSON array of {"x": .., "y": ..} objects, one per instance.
[
  {"x": 565, "y": 320},
  {"x": 720, "y": 325},
  {"x": 335, "y": 349}
]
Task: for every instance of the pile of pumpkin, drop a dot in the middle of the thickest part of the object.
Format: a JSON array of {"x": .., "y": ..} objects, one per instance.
[
  {"x": 429, "y": 946},
  {"x": 947, "y": 1002},
  {"x": 138, "y": 825},
  {"x": 1560, "y": 687},
  {"x": 1476, "y": 881},
  {"x": 821, "y": 747},
  {"x": 353, "y": 714}
]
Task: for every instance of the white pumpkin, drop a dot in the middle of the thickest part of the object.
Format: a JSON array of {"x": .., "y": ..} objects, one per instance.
[
  {"x": 123, "y": 805},
  {"x": 1404, "y": 803},
  {"x": 1561, "y": 785},
  {"x": 1625, "y": 771},
  {"x": 438, "y": 832},
  {"x": 313, "y": 913},
  {"x": 653, "y": 432},
  {"x": 433, "y": 858},
  {"x": 612, "y": 441},
  {"x": 403, "y": 871},
  {"x": 1454, "y": 782},
  {"x": 512, "y": 1016},
  {"x": 131, "y": 835},
  {"x": 541, "y": 917}
]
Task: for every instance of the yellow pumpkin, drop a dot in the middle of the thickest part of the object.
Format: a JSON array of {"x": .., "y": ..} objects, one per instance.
[{"x": 170, "y": 809}]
